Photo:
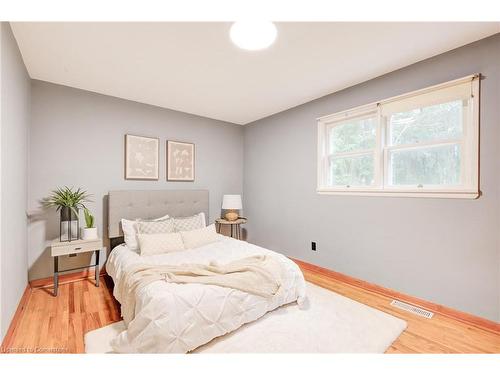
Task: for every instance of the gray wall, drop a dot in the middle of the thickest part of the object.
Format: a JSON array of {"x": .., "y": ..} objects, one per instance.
[
  {"x": 15, "y": 112},
  {"x": 77, "y": 139},
  {"x": 442, "y": 250}
]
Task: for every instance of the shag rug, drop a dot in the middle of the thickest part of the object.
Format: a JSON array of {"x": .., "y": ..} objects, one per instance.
[{"x": 328, "y": 323}]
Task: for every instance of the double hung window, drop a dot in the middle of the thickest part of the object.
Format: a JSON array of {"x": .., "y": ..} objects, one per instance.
[{"x": 424, "y": 143}]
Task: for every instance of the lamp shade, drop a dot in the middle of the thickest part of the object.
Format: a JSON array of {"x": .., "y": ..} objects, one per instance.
[{"x": 231, "y": 202}]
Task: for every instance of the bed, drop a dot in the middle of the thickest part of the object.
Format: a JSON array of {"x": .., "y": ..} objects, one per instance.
[{"x": 178, "y": 318}]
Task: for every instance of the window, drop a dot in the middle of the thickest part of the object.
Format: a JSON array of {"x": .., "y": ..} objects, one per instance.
[
  {"x": 352, "y": 151},
  {"x": 424, "y": 143}
]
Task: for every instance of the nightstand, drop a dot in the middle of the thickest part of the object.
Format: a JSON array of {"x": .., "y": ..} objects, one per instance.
[
  {"x": 236, "y": 232},
  {"x": 59, "y": 248}
]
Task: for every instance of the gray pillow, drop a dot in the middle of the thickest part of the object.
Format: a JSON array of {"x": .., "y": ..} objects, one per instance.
[
  {"x": 153, "y": 227},
  {"x": 183, "y": 224}
]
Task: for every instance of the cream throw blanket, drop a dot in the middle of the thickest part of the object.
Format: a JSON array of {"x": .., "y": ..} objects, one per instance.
[{"x": 259, "y": 275}]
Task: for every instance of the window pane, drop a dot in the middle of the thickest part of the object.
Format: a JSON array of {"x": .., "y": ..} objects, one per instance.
[
  {"x": 353, "y": 135},
  {"x": 426, "y": 166},
  {"x": 436, "y": 122},
  {"x": 353, "y": 171}
]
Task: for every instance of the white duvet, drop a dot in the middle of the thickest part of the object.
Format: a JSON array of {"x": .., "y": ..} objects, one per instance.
[{"x": 178, "y": 318}]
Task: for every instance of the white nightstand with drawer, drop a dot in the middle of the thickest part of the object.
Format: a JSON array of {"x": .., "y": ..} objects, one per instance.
[{"x": 59, "y": 248}]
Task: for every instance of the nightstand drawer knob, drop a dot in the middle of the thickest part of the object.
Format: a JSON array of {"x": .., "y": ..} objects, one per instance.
[{"x": 78, "y": 248}]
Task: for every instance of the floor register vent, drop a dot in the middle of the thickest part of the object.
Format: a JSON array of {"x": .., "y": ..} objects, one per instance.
[{"x": 413, "y": 309}]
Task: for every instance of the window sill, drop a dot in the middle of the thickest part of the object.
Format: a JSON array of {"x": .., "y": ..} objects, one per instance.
[{"x": 459, "y": 194}]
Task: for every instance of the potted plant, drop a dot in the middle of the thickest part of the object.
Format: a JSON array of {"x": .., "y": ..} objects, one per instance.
[
  {"x": 68, "y": 202},
  {"x": 90, "y": 231}
]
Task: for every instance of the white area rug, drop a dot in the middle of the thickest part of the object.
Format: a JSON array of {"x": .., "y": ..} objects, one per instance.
[{"x": 329, "y": 323}]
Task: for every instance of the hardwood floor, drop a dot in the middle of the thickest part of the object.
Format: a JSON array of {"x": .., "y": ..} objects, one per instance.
[{"x": 57, "y": 325}]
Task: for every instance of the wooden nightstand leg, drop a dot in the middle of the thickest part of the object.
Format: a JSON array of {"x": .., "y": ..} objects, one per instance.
[
  {"x": 56, "y": 275},
  {"x": 97, "y": 267}
]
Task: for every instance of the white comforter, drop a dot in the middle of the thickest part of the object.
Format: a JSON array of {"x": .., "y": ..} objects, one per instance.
[{"x": 178, "y": 318}]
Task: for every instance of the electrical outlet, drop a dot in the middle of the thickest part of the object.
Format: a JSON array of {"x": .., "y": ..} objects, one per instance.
[{"x": 313, "y": 246}]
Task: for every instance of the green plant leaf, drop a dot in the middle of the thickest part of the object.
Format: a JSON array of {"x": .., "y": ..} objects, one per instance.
[
  {"x": 89, "y": 218},
  {"x": 67, "y": 197}
]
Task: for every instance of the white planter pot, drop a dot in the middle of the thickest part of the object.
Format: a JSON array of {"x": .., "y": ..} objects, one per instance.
[{"x": 89, "y": 233}]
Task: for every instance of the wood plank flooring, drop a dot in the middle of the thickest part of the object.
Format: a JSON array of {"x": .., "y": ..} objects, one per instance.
[{"x": 57, "y": 325}]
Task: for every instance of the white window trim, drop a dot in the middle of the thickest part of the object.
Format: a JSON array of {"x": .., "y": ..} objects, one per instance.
[{"x": 469, "y": 144}]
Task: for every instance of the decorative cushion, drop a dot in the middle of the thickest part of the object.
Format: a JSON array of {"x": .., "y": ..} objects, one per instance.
[
  {"x": 182, "y": 224},
  {"x": 129, "y": 228},
  {"x": 199, "y": 237},
  {"x": 155, "y": 226},
  {"x": 159, "y": 243}
]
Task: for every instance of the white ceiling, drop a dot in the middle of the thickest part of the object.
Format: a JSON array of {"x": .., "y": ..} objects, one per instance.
[{"x": 194, "y": 67}]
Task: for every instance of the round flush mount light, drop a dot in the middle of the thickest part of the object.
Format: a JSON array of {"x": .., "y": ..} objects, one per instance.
[{"x": 253, "y": 35}]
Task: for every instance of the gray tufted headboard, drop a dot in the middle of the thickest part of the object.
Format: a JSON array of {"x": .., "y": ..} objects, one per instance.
[{"x": 150, "y": 204}]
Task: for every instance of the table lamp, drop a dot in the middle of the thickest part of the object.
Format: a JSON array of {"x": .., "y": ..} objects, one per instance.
[{"x": 232, "y": 203}]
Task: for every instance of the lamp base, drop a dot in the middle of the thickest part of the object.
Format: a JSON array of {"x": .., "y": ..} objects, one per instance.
[{"x": 231, "y": 216}]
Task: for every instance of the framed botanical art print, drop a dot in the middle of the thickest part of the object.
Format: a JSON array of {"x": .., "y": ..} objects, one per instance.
[
  {"x": 180, "y": 161},
  {"x": 141, "y": 157}
]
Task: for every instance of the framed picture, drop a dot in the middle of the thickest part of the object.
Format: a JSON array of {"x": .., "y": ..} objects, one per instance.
[
  {"x": 180, "y": 161},
  {"x": 141, "y": 157}
]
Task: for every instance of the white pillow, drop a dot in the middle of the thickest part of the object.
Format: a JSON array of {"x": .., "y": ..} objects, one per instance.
[
  {"x": 159, "y": 243},
  {"x": 182, "y": 224},
  {"x": 200, "y": 237},
  {"x": 129, "y": 228}
]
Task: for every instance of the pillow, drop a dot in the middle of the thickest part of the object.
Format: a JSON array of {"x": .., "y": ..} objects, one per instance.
[
  {"x": 155, "y": 226},
  {"x": 182, "y": 224},
  {"x": 199, "y": 237},
  {"x": 159, "y": 243},
  {"x": 129, "y": 228}
]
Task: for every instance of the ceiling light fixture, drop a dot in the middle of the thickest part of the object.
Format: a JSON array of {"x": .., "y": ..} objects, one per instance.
[{"x": 253, "y": 35}]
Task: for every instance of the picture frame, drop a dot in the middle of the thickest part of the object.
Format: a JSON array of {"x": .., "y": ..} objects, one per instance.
[
  {"x": 180, "y": 161},
  {"x": 142, "y": 157}
]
